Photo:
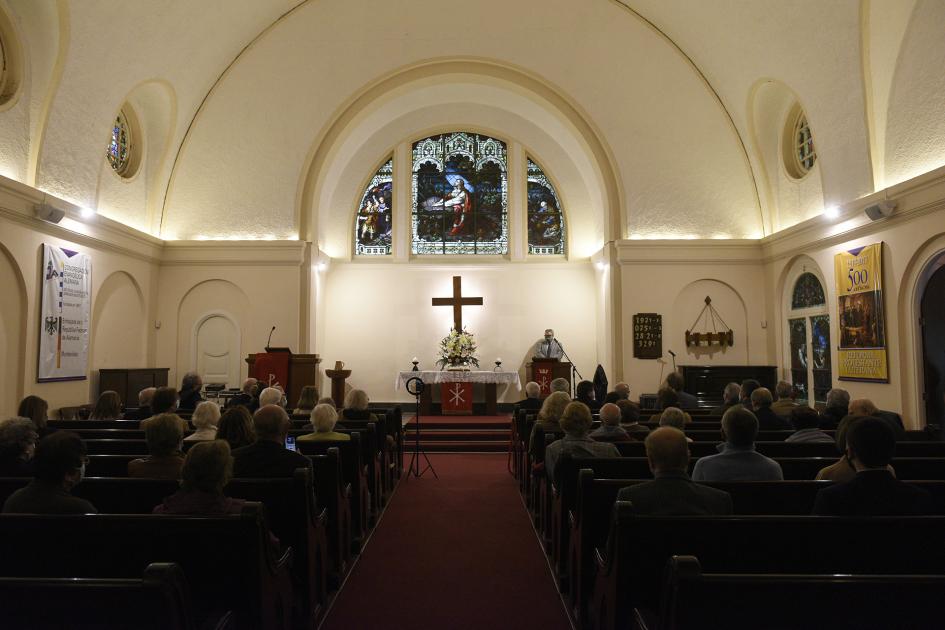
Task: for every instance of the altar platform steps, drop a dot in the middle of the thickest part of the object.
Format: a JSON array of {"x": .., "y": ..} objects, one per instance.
[{"x": 460, "y": 434}]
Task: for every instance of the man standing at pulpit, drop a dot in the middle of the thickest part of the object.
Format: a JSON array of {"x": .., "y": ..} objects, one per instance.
[{"x": 549, "y": 347}]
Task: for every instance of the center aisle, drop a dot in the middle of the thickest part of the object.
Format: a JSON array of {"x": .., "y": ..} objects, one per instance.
[{"x": 458, "y": 552}]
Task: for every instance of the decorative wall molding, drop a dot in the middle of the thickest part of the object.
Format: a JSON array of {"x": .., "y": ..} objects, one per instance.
[
  {"x": 689, "y": 251},
  {"x": 254, "y": 253}
]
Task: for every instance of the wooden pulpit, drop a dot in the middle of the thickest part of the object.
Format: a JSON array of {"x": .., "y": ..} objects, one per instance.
[
  {"x": 543, "y": 371},
  {"x": 291, "y": 371}
]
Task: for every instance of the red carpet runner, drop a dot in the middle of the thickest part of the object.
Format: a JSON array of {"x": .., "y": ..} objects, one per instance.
[{"x": 458, "y": 552}]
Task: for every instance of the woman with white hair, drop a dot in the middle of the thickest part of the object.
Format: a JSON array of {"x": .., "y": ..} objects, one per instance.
[
  {"x": 205, "y": 419},
  {"x": 324, "y": 418},
  {"x": 356, "y": 407}
]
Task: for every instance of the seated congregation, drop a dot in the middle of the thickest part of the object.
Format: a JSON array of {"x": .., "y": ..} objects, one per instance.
[
  {"x": 308, "y": 508},
  {"x": 633, "y": 505}
]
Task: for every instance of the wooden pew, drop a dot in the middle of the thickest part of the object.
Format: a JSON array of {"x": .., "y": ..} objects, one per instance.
[
  {"x": 638, "y": 547},
  {"x": 694, "y": 600},
  {"x": 589, "y": 520},
  {"x": 158, "y": 600},
  {"x": 333, "y": 495},
  {"x": 791, "y": 449},
  {"x": 228, "y": 560}
]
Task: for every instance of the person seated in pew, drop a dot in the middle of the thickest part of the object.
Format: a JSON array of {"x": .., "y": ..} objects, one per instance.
[
  {"x": 672, "y": 492},
  {"x": 761, "y": 401},
  {"x": 204, "y": 420},
  {"x": 560, "y": 385},
  {"x": 610, "y": 430},
  {"x": 18, "y": 439},
  {"x": 630, "y": 419},
  {"x": 207, "y": 469},
  {"x": 674, "y": 381},
  {"x": 622, "y": 390},
  {"x": 164, "y": 401},
  {"x": 272, "y": 396},
  {"x": 356, "y": 407},
  {"x": 806, "y": 422},
  {"x": 584, "y": 393},
  {"x": 326, "y": 400},
  {"x": 246, "y": 397},
  {"x": 666, "y": 397},
  {"x": 744, "y": 393},
  {"x": 548, "y": 418},
  {"x": 785, "y": 403},
  {"x": 190, "y": 388},
  {"x": 731, "y": 396},
  {"x": 59, "y": 464},
  {"x": 737, "y": 459},
  {"x": 838, "y": 403},
  {"x": 676, "y": 418},
  {"x": 164, "y": 434},
  {"x": 308, "y": 398},
  {"x": 268, "y": 456},
  {"x": 107, "y": 407},
  {"x": 842, "y": 470},
  {"x": 145, "y": 396},
  {"x": 862, "y": 407},
  {"x": 236, "y": 427},
  {"x": 37, "y": 410},
  {"x": 576, "y": 422},
  {"x": 324, "y": 418},
  {"x": 532, "y": 401},
  {"x": 873, "y": 491}
]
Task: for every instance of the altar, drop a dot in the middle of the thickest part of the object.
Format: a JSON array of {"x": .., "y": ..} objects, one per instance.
[{"x": 457, "y": 389}]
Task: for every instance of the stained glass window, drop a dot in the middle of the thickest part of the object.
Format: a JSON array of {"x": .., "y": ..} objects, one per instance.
[
  {"x": 808, "y": 292},
  {"x": 545, "y": 216},
  {"x": 460, "y": 195},
  {"x": 119, "y": 149},
  {"x": 804, "y": 144},
  {"x": 372, "y": 228}
]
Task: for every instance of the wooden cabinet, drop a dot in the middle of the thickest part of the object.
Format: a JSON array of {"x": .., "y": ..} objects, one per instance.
[{"x": 128, "y": 382}]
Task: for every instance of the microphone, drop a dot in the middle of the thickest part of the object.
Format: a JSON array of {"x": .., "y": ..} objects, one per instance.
[
  {"x": 269, "y": 342},
  {"x": 669, "y": 351}
]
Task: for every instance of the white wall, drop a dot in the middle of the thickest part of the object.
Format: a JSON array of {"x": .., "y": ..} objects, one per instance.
[{"x": 379, "y": 316}]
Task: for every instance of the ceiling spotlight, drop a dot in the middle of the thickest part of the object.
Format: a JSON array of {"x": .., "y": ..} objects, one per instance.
[
  {"x": 322, "y": 266},
  {"x": 87, "y": 213},
  {"x": 832, "y": 211}
]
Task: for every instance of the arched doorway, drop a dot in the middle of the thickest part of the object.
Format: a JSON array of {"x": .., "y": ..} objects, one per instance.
[
  {"x": 932, "y": 323},
  {"x": 809, "y": 340}
]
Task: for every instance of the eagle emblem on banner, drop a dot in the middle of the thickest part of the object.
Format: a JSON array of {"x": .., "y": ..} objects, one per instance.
[
  {"x": 52, "y": 325},
  {"x": 50, "y": 271}
]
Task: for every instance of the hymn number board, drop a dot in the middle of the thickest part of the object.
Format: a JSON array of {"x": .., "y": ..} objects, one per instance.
[{"x": 647, "y": 336}]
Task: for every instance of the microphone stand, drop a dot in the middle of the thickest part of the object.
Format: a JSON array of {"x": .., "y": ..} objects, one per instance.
[
  {"x": 574, "y": 370},
  {"x": 269, "y": 341}
]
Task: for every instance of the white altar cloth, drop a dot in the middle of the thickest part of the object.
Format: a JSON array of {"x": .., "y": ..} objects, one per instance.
[{"x": 434, "y": 377}]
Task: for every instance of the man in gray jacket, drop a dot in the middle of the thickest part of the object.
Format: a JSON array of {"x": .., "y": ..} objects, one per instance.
[
  {"x": 737, "y": 459},
  {"x": 672, "y": 492}
]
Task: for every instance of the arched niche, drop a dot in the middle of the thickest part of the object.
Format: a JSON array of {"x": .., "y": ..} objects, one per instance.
[
  {"x": 12, "y": 332},
  {"x": 119, "y": 326},
  {"x": 205, "y": 301},
  {"x": 688, "y": 305}
]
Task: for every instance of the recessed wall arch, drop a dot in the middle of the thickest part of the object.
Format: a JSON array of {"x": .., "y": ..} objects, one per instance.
[
  {"x": 13, "y": 325},
  {"x": 726, "y": 298},
  {"x": 119, "y": 326}
]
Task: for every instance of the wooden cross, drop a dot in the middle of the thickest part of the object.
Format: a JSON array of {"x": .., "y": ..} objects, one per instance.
[{"x": 458, "y": 302}]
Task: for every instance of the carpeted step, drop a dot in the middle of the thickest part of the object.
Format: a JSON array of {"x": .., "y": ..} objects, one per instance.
[
  {"x": 464, "y": 446},
  {"x": 490, "y": 425},
  {"x": 456, "y": 436}
]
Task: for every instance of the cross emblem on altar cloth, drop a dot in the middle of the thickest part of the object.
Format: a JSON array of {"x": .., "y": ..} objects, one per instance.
[
  {"x": 458, "y": 302},
  {"x": 456, "y": 395}
]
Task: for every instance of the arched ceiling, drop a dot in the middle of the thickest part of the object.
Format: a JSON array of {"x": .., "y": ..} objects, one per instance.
[{"x": 664, "y": 86}]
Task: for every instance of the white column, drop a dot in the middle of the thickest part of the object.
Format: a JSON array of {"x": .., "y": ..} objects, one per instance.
[
  {"x": 518, "y": 203},
  {"x": 400, "y": 233}
]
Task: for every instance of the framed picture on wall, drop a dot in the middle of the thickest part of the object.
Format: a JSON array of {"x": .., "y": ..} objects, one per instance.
[{"x": 861, "y": 318}]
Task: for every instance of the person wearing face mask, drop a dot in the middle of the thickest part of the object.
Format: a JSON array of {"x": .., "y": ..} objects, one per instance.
[
  {"x": 58, "y": 465},
  {"x": 549, "y": 347}
]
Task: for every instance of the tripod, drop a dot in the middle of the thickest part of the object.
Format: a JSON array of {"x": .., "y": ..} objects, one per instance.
[{"x": 415, "y": 388}]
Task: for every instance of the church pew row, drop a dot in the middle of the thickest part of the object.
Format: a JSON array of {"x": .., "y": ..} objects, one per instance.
[
  {"x": 229, "y": 561},
  {"x": 629, "y": 567},
  {"x": 290, "y": 508},
  {"x": 158, "y": 600},
  {"x": 691, "y": 600},
  {"x": 587, "y": 516}
]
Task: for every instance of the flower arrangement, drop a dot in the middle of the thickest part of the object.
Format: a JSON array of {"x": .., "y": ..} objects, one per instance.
[{"x": 458, "y": 350}]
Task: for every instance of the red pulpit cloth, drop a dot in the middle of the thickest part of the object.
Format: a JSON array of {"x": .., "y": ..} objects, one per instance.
[
  {"x": 456, "y": 398},
  {"x": 543, "y": 373},
  {"x": 272, "y": 368}
]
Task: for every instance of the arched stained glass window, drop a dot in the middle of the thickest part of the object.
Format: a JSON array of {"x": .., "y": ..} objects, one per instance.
[
  {"x": 119, "y": 149},
  {"x": 808, "y": 292},
  {"x": 545, "y": 217},
  {"x": 372, "y": 228},
  {"x": 460, "y": 195}
]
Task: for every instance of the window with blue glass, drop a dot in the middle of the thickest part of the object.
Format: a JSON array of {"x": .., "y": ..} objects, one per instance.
[
  {"x": 545, "y": 214},
  {"x": 372, "y": 229}
]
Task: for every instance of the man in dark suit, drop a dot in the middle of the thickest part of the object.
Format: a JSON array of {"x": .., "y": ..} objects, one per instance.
[
  {"x": 874, "y": 491},
  {"x": 144, "y": 405},
  {"x": 730, "y": 398},
  {"x": 532, "y": 401},
  {"x": 768, "y": 420},
  {"x": 674, "y": 381},
  {"x": 268, "y": 456},
  {"x": 189, "y": 394},
  {"x": 672, "y": 492}
]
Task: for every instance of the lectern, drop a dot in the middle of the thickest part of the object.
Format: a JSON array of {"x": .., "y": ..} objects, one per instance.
[
  {"x": 543, "y": 371},
  {"x": 291, "y": 371}
]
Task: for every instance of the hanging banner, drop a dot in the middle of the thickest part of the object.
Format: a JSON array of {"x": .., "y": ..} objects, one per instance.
[
  {"x": 64, "y": 318},
  {"x": 861, "y": 318}
]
